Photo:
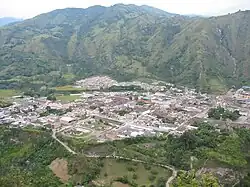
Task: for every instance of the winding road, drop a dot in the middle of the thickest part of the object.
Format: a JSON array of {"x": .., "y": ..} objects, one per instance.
[
  {"x": 63, "y": 144},
  {"x": 169, "y": 181}
]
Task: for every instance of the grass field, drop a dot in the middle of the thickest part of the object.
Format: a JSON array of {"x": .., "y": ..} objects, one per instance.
[
  {"x": 68, "y": 88},
  {"x": 138, "y": 173},
  {"x": 8, "y": 93},
  {"x": 67, "y": 98},
  {"x": 217, "y": 86}
]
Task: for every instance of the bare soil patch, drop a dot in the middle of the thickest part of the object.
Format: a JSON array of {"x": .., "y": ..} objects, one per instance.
[
  {"x": 60, "y": 169},
  {"x": 119, "y": 184}
]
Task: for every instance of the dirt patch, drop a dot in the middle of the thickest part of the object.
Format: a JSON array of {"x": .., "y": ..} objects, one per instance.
[
  {"x": 119, "y": 184},
  {"x": 60, "y": 169},
  {"x": 225, "y": 175}
]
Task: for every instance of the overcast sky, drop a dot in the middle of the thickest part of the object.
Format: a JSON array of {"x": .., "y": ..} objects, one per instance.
[{"x": 31, "y": 8}]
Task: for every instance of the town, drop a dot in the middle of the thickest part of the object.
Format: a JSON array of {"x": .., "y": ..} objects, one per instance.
[{"x": 145, "y": 110}]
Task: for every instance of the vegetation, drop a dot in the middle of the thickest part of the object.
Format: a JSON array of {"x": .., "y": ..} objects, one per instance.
[
  {"x": 122, "y": 112},
  {"x": 125, "y": 88},
  {"x": 211, "y": 148},
  {"x": 125, "y": 42},
  {"x": 8, "y": 93},
  {"x": 83, "y": 170},
  {"x": 4, "y": 103},
  {"x": 69, "y": 89},
  {"x": 221, "y": 113},
  {"x": 25, "y": 156},
  {"x": 51, "y": 98},
  {"x": 27, "y": 153},
  {"x": 189, "y": 179},
  {"x": 58, "y": 112},
  {"x": 245, "y": 182},
  {"x": 134, "y": 174}
]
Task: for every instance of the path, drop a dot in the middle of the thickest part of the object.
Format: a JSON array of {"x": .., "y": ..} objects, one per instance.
[
  {"x": 63, "y": 144},
  {"x": 169, "y": 181}
]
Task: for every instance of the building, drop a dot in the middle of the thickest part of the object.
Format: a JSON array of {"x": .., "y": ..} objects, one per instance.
[{"x": 67, "y": 120}]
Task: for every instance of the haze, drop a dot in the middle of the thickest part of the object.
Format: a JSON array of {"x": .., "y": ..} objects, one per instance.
[{"x": 31, "y": 8}]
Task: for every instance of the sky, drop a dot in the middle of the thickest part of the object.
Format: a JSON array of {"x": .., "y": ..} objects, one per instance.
[{"x": 31, "y": 8}]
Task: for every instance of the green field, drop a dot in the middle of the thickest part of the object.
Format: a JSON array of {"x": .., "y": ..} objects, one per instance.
[
  {"x": 68, "y": 88},
  {"x": 138, "y": 173},
  {"x": 217, "y": 86},
  {"x": 8, "y": 93}
]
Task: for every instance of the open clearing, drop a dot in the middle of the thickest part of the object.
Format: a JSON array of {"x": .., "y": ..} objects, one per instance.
[
  {"x": 140, "y": 173},
  {"x": 69, "y": 88},
  {"x": 119, "y": 184},
  {"x": 60, "y": 169},
  {"x": 8, "y": 93}
]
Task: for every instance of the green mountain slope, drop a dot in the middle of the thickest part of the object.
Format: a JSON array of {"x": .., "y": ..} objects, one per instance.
[{"x": 126, "y": 42}]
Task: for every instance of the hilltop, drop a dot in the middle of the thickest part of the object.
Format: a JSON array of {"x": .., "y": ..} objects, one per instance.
[{"x": 126, "y": 42}]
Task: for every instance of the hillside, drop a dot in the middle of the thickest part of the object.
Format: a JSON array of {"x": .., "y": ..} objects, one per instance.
[
  {"x": 33, "y": 158},
  {"x": 30, "y": 158},
  {"x": 126, "y": 42},
  {"x": 8, "y": 20}
]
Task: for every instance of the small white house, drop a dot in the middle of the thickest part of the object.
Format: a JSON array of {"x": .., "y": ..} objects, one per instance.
[{"x": 66, "y": 120}]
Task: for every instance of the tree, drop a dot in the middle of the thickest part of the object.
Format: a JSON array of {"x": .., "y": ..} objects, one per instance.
[
  {"x": 51, "y": 98},
  {"x": 220, "y": 112},
  {"x": 244, "y": 182},
  {"x": 161, "y": 182},
  {"x": 186, "y": 179},
  {"x": 208, "y": 180},
  {"x": 189, "y": 179},
  {"x": 134, "y": 176}
]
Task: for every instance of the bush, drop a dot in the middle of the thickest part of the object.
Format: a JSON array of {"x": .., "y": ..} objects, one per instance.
[
  {"x": 51, "y": 98},
  {"x": 130, "y": 168},
  {"x": 152, "y": 178},
  {"x": 153, "y": 172},
  {"x": 147, "y": 167},
  {"x": 219, "y": 112},
  {"x": 135, "y": 176},
  {"x": 123, "y": 179}
]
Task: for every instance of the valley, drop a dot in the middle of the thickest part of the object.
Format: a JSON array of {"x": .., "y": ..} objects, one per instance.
[
  {"x": 138, "y": 124},
  {"x": 125, "y": 96}
]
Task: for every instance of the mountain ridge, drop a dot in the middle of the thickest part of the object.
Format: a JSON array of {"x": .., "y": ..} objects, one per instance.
[{"x": 127, "y": 42}]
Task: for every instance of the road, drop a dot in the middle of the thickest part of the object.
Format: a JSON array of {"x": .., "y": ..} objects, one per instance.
[
  {"x": 170, "y": 179},
  {"x": 63, "y": 144}
]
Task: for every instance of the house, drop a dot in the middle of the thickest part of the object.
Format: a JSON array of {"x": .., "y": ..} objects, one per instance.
[{"x": 67, "y": 120}]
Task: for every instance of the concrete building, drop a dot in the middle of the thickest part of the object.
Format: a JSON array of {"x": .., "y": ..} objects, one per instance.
[{"x": 67, "y": 120}]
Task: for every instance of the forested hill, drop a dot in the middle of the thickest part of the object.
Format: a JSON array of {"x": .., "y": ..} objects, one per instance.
[{"x": 127, "y": 42}]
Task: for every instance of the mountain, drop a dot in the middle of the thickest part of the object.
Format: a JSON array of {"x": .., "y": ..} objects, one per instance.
[
  {"x": 126, "y": 42},
  {"x": 8, "y": 20}
]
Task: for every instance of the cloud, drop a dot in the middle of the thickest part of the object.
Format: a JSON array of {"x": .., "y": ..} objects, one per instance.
[{"x": 30, "y": 8}]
